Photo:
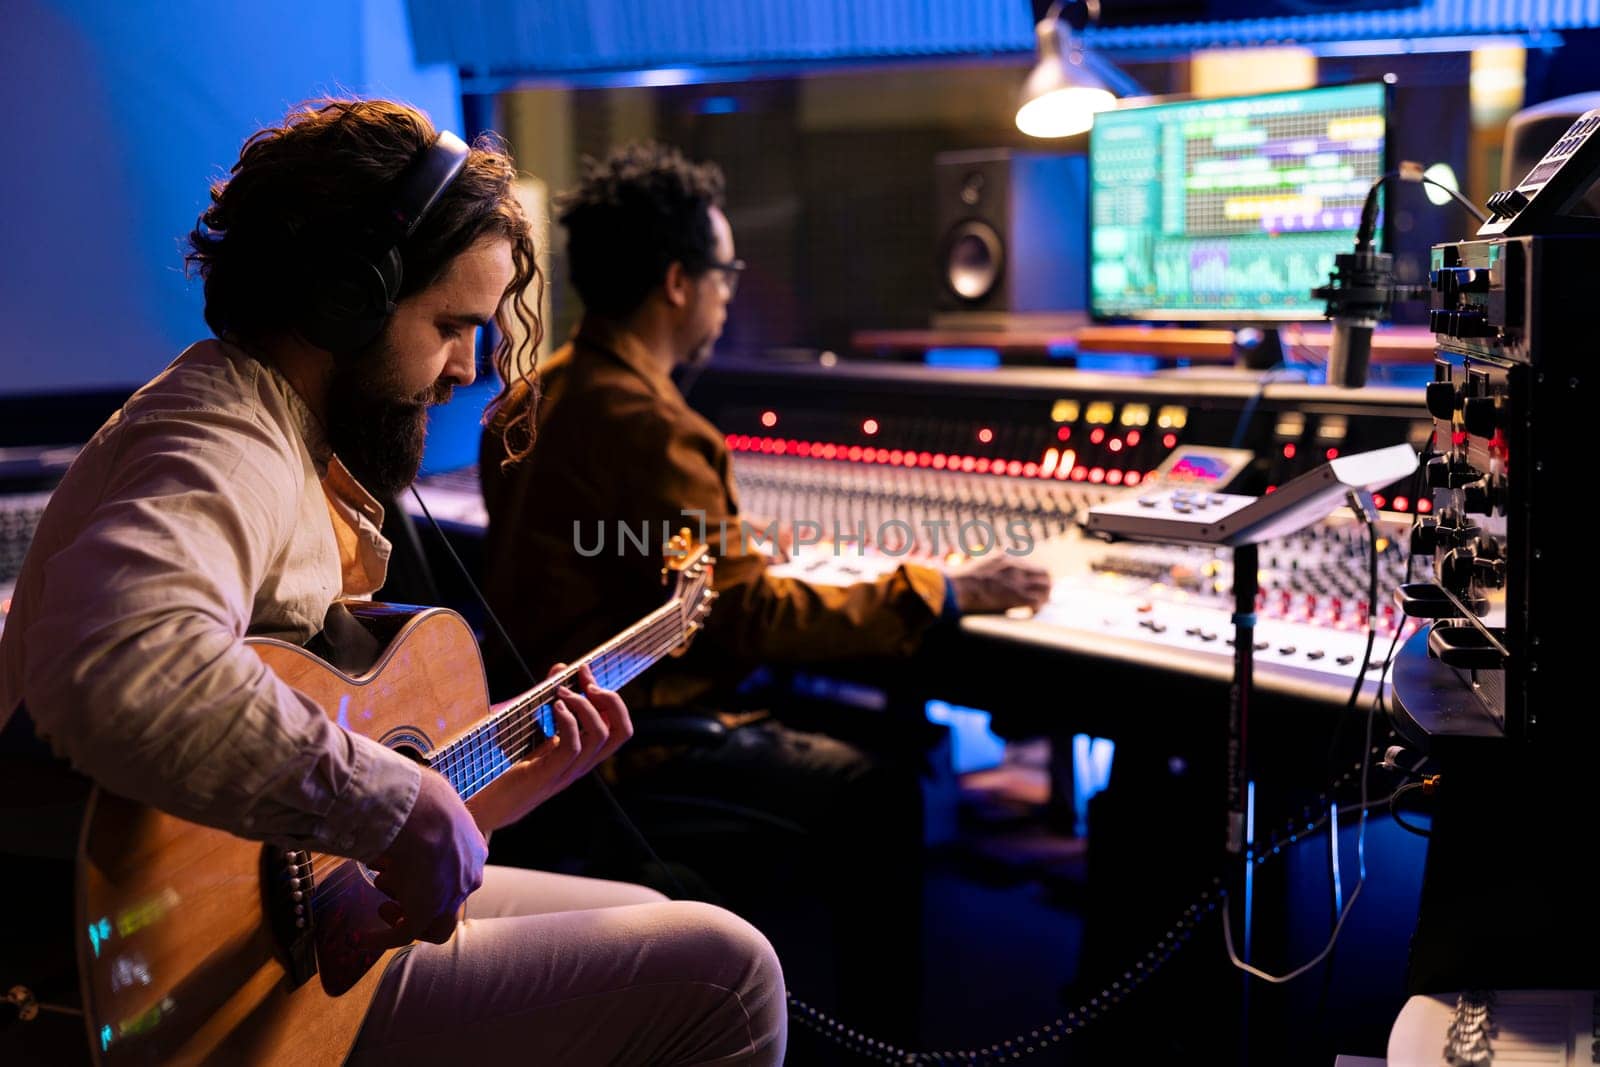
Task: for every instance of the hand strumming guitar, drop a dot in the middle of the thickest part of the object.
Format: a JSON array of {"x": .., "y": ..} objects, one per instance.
[
  {"x": 432, "y": 865},
  {"x": 437, "y": 859}
]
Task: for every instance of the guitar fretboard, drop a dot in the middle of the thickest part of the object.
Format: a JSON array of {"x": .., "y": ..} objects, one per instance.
[{"x": 481, "y": 755}]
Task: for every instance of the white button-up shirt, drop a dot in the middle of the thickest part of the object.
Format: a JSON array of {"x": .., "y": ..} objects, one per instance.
[{"x": 208, "y": 509}]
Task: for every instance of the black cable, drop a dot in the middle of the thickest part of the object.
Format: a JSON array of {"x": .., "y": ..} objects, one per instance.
[
  {"x": 1394, "y": 811},
  {"x": 1363, "y": 514},
  {"x": 1369, "y": 207},
  {"x": 1463, "y": 201},
  {"x": 488, "y": 612}
]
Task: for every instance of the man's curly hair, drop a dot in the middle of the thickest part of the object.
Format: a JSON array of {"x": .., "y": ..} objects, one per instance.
[
  {"x": 302, "y": 193},
  {"x": 634, "y": 214}
]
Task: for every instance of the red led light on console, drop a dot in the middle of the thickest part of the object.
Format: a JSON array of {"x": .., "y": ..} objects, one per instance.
[
  {"x": 769, "y": 419},
  {"x": 1064, "y": 433},
  {"x": 1170, "y": 440},
  {"x": 1134, "y": 437},
  {"x": 1288, "y": 450},
  {"x": 869, "y": 427},
  {"x": 1096, "y": 435},
  {"x": 985, "y": 435}
]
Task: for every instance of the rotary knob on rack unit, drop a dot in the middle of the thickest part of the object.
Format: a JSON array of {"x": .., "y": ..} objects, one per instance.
[
  {"x": 1456, "y": 570},
  {"x": 1425, "y": 537},
  {"x": 1481, "y": 415},
  {"x": 1490, "y": 573},
  {"x": 1445, "y": 473},
  {"x": 1441, "y": 399},
  {"x": 1481, "y": 498},
  {"x": 1507, "y": 202}
]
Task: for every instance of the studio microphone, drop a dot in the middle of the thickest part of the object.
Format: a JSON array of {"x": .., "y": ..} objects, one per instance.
[
  {"x": 1359, "y": 294},
  {"x": 1361, "y": 291}
]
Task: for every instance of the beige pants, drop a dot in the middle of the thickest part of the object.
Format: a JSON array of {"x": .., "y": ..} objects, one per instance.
[{"x": 549, "y": 969}]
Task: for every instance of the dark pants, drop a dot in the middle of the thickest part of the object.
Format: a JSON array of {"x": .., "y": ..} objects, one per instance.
[
  {"x": 831, "y": 845},
  {"x": 816, "y": 840}
]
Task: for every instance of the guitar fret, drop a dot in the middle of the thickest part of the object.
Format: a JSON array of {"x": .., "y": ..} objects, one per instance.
[{"x": 478, "y": 757}]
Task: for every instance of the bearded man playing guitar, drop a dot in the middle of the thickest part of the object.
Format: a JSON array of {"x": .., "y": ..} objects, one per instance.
[{"x": 207, "y": 529}]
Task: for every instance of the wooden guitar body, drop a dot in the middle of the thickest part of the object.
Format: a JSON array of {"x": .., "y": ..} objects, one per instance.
[
  {"x": 188, "y": 943},
  {"x": 198, "y": 947}
]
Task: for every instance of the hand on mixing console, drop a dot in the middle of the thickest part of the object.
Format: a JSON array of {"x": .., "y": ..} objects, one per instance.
[{"x": 999, "y": 584}]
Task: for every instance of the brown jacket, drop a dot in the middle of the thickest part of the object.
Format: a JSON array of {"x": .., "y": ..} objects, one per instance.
[{"x": 618, "y": 443}]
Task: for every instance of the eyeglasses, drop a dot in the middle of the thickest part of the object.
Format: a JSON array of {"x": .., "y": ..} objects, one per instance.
[{"x": 730, "y": 274}]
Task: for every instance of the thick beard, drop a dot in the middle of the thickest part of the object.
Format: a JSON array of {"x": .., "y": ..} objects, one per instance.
[{"x": 377, "y": 433}]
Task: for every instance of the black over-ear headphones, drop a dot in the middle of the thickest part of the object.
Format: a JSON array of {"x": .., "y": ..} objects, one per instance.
[{"x": 355, "y": 287}]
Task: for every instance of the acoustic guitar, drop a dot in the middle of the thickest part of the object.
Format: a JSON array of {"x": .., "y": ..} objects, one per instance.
[{"x": 198, "y": 947}]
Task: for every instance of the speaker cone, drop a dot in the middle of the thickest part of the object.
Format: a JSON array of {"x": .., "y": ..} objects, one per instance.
[{"x": 973, "y": 259}]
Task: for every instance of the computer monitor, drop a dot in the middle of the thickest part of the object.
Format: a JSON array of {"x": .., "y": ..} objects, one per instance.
[{"x": 1229, "y": 210}]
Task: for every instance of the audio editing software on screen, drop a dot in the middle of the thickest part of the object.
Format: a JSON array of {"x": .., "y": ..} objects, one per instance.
[{"x": 1229, "y": 209}]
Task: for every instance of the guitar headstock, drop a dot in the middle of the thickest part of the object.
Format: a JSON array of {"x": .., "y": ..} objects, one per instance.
[{"x": 687, "y": 569}]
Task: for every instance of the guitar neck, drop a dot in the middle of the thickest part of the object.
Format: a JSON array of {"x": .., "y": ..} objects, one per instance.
[{"x": 474, "y": 759}]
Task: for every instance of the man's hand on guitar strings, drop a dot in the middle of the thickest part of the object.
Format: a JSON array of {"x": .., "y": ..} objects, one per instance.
[
  {"x": 590, "y": 726},
  {"x": 431, "y": 867}
]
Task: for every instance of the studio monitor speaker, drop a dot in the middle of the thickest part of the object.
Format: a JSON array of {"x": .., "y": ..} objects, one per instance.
[{"x": 1012, "y": 234}]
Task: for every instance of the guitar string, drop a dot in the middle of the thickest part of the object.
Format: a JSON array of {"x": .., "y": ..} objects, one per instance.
[
  {"x": 459, "y": 759},
  {"x": 662, "y": 643},
  {"x": 458, "y": 754},
  {"x": 348, "y": 869},
  {"x": 651, "y": 636}
]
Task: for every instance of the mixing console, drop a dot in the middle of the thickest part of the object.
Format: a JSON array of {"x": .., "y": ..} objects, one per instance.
[
  {"x": 867, "y": 466},
  {"x": 26, "y": 477},
  {"x": 1312, "y": 606},
  {"x": 1023, "y": 454}
]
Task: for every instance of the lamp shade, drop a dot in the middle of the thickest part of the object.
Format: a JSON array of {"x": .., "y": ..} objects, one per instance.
[{"x": 1062, "y": 94}]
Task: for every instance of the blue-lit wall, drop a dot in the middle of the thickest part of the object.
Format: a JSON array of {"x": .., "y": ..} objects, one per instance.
[{"x": 115, "y": 117}]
